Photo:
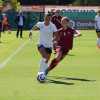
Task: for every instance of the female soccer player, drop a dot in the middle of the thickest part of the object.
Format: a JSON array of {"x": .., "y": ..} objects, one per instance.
[
  {"x": 47, "y": 29},
  {"x": 5, "y": 24},
  {"x": 97, "y": 26},
  {"x": 63, "y": 42},
  {"x": 56, "y": 19}
]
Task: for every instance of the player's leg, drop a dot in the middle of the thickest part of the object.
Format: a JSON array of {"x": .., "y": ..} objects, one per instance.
[
  {"x": 9, "y": 28},
  {"x": 21, "y": 32},
  {"x": 60, "y": 55},
  {"x": 98, "y": 38},
  {"x": 45, "y": 58},
  {"x": 3, "y": 28},
  {"x": 18, "y": 29}
]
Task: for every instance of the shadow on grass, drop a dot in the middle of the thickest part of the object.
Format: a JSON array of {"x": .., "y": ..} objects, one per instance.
[
  {"x": 71, "y": 55},
  {"x": 71, "y": 78},
  {"x": 58, "y": 82}
]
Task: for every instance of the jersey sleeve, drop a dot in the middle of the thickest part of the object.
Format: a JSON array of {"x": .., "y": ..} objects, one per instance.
[
  {"x": 38, "y": 24},
  {"x": 74, "y": 31}
]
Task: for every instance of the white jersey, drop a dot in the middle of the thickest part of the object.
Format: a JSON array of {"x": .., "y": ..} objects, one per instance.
[
  {"x": 46, "y": 34},
  {"x": 97, "y": 22}
]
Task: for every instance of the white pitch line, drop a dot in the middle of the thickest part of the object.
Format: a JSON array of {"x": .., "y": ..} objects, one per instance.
[{"x": 6, "y": 61}]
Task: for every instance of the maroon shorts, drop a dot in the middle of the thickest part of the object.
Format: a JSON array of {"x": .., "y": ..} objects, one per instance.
[{"x": 62, "y": 49}]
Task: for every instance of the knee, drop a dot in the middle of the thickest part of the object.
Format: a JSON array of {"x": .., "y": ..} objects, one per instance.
[{"x": 47, "y": 59}]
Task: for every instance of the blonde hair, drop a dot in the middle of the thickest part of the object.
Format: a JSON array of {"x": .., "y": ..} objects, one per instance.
[{"x": 65, "y": 18}]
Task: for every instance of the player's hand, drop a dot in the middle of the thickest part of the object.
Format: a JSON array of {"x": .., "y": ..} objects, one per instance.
[
  {"x": 77, "y": 35},
  {"x": 30, "y": 34}
]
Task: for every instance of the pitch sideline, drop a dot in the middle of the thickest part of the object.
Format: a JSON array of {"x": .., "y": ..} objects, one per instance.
[{"x": 6, "y": 61}]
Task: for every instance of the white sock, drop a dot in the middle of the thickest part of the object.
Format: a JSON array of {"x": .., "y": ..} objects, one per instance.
[
  {"x": 43, "y": 65},
  {"x": 98, "y": 41}
]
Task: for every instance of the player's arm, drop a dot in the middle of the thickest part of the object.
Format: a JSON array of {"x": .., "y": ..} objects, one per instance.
[
  {"x": 35, "y": 27},
  {"x": 77, "y": 33},
  {"x": 55, "y": 36}
]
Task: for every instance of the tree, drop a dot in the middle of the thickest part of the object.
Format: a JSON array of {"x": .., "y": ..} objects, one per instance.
[
  {"x": 45, "y": 2},
  {"x": 15, "y": 4},
  {"x": 1, "y": 2},
  {"x": 87, "y": 2}
]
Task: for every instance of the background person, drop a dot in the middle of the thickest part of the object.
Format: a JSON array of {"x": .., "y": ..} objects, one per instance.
[
  {"x": 5, "y": 23},
  {"x": 97, "y": 27},
  {"x": 56, "y": 19},
  {"x": 20, "y": 20}
]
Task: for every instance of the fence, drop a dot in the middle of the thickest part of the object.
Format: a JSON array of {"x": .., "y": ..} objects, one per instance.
[{"x": 82, "y": 17}]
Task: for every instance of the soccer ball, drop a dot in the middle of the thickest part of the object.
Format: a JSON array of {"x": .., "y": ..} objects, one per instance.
[{"x": 41, "y": 77}]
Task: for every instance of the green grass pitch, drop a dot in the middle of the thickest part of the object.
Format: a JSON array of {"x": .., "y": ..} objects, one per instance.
[{"x": 77, "y": 77}]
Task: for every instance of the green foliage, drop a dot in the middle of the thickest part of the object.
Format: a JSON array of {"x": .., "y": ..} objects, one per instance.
[
  {"x": 87, "y": 2},
  {"x": 1, "y": 2},
  {"x": 15, "y": 4}
]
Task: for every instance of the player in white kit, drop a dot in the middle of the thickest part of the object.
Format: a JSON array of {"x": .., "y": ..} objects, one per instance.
[
  {"x": 47, "y": 30},
  {"x": 97, "y": 27}
]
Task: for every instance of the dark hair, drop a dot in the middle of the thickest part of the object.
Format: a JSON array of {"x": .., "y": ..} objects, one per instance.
[{"x": 48, "y": 15}]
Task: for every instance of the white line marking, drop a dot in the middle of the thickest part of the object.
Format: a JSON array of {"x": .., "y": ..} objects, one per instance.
[{"x": 5, "y": 62}]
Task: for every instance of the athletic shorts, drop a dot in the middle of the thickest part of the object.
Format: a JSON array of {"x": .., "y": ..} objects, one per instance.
[
  {"x": 48, "y": 50},
  {"x": 97, "y": 30},
  {"x": 62, "y": 49}
]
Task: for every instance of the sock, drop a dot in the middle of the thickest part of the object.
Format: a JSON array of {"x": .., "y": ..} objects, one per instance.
[
  {"x": 98, "y": 41},
  {"x": 43, "y": 65}
]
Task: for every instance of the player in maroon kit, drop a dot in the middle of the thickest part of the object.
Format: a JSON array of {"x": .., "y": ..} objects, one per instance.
[
  {"x": 56, "y": 19},
  {"x": 64, "y": 43}
]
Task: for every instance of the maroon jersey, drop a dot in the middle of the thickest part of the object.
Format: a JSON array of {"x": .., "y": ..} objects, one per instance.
[
  {"x": 57, "y": 21},
  {"x": 66, "y": 38}
]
